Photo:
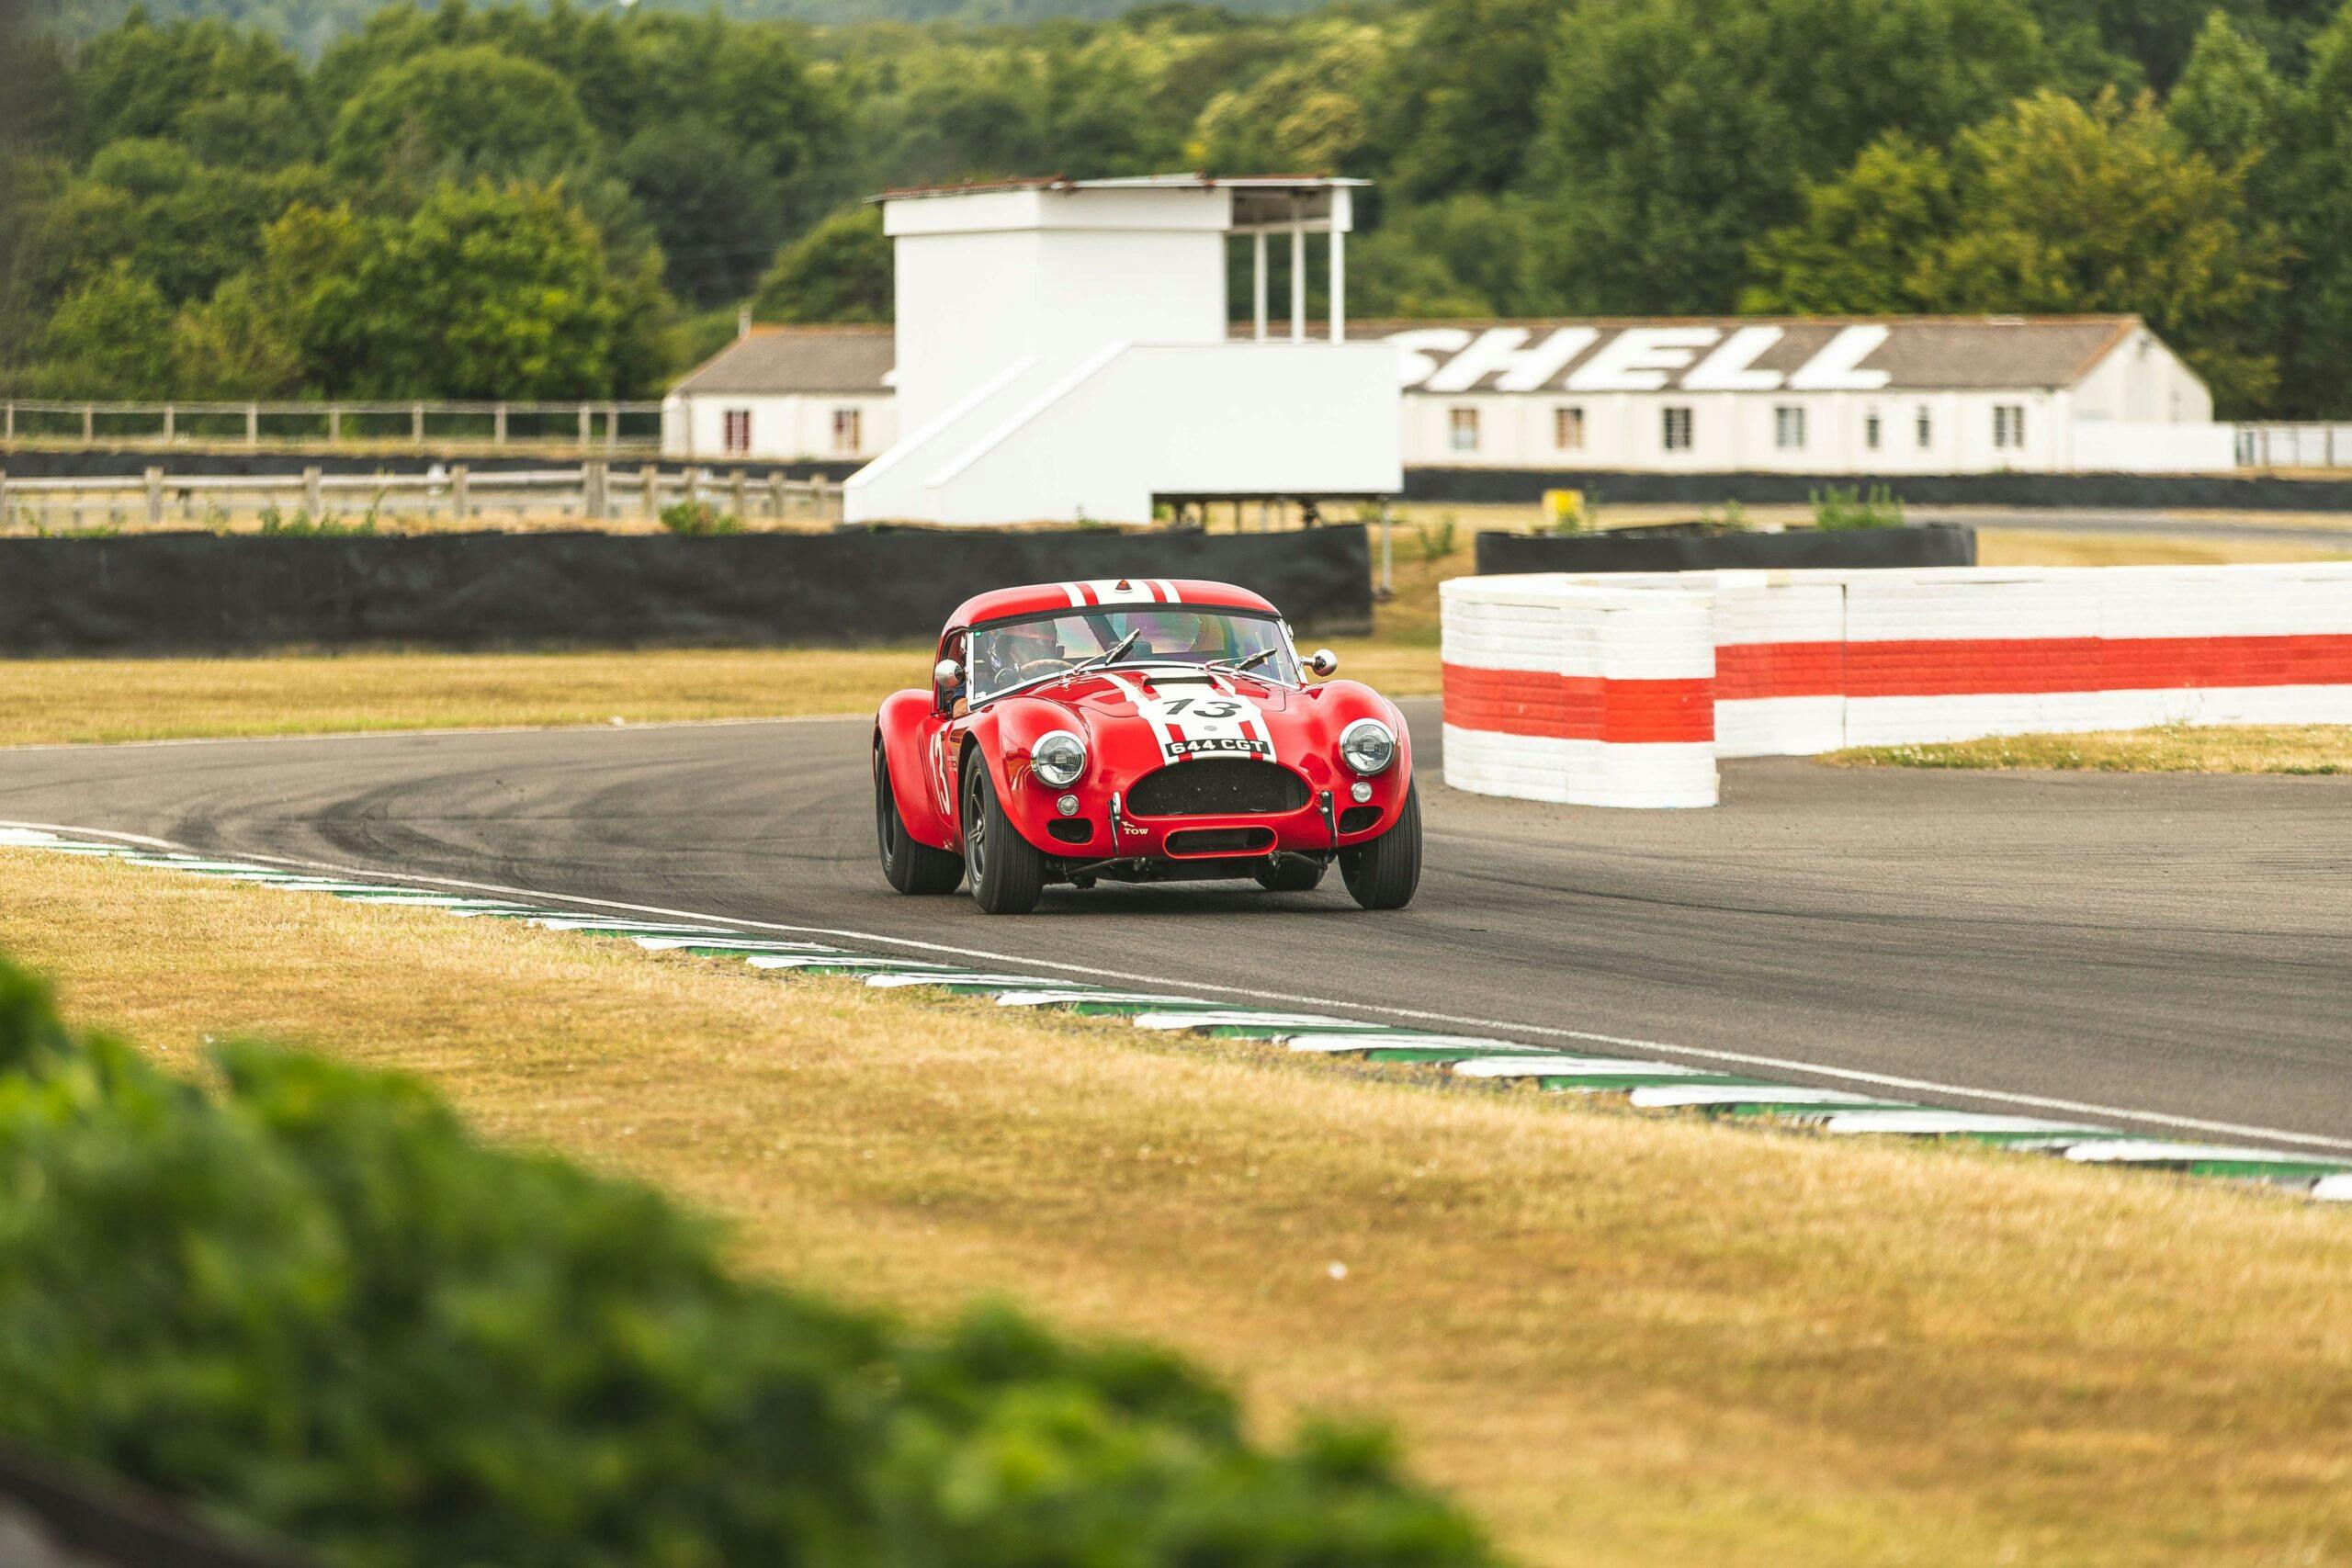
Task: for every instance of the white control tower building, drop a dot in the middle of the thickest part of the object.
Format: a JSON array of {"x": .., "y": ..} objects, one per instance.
[{"x": 1064, "y": 352}]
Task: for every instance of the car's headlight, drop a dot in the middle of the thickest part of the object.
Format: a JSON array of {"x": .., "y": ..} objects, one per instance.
[
  {"x": 1059, "y": 758},
  {"x": 1368, "y": 746}
]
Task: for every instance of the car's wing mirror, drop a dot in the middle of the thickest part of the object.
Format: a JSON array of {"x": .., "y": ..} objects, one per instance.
[
  {"x": 946, "y": 676},
  {"x": 1323, "y": 662}
]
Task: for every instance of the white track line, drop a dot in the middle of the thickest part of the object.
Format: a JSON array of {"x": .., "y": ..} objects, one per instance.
[
  {"x": 103, "y": 833},
  {"x": 588, "y": 726},
  {"x": 1627, "y": 1043}
]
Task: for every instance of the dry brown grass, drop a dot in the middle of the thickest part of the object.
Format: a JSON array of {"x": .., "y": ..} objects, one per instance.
[
  {"x": 1422, "y": 559},
  {"x": 2023, "y": 547},
  {"x": 1622, "y": 1340},
  {"x": 65, "y": 700},
  {"x": 150, "y": 699},
  {"x": 2166, "y": 749},
  {"x": 46, "y": 700}
]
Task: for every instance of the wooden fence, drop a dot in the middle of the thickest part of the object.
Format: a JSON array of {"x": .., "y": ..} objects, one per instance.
[
  {"x": 584, "y": 426},
  {"x": 593, "y": 492},
  {"x": 2291, "y": 446}
]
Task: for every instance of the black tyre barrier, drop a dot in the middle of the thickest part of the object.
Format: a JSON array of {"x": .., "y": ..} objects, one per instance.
[
  {"x": 219, "y": 593},
  {"x": 2254, "y": 492},
  {"x": 1661, "y": 550}
]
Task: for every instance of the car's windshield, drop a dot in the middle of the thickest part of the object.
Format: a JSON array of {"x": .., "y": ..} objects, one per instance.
[{"x": 1005, "y": 654}]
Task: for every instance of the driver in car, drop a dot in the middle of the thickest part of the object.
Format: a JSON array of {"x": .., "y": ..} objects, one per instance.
[
  {"x": 1177, "y": 635},
  {"x": 1014, "y": 652}
]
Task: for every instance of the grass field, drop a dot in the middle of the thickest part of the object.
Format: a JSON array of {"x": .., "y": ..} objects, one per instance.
[
  {"x": 2168, "y": 748},
  {"x": 70, "y": 700},
  {"x": 1622, "y": 1340},
  {"x": 2026, "y": 547}
]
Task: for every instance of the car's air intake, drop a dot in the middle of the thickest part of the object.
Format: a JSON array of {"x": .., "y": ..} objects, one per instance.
[{"x": 1217, "y": 786}]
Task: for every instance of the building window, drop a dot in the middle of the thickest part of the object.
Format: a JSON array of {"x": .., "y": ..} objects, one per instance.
[
  {"x": 1926, "y": 428},
  {"x": 1871, "y": 430},
  {"x": 1676, "y": 429},
  {"x": 2008, "y": 426},
  {"x": 1788, "y": 428},
  {"x": 1567, "y": 429},
  {"x": 739, "y": 430},
  {"x": 1462, "y": 429},
  {"x": 849, "y": 430}
]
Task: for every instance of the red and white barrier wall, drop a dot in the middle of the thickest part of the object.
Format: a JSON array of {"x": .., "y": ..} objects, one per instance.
[
  {"x": 1809, "y": 661},
  {"x": 1591, "y": 694}
]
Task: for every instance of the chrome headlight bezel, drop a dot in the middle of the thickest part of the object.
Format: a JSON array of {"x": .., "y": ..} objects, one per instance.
[
  {"x": 1369, "y": 747},
  {"x": 1059, "y": 758}
]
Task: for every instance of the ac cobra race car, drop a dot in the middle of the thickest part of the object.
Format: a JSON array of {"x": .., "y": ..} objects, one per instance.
[{"x": 1141, "y": 731}]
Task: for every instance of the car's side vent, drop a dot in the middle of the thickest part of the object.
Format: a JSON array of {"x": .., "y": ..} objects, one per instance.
[
  {"x": 1356, "y": 819},
  {"x": 1217, "y": 786}
]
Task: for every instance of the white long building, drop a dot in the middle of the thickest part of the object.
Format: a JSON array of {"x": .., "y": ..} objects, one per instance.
[{"x": 1918, "y": 395}]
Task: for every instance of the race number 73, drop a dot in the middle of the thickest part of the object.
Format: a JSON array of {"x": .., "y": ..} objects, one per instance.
[{"x": 1201, "y": 707}]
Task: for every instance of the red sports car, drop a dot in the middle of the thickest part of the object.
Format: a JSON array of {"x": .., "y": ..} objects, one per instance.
[{"x": 1142, "y": 730}]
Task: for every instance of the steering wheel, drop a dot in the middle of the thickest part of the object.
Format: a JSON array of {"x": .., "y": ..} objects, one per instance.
[{"x": 1028, "y": 667}]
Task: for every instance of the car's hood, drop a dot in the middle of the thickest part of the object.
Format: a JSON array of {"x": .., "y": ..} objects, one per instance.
[
  {"x": 1189, "y": 712},
  {"x": 1115, "y": 693}
]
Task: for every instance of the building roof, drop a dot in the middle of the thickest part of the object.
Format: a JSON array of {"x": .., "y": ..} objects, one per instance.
[
  {"x": 1894, "y": 354},
  {"x": 775, "y": 360},
  {"x": 1289, "y": 183}
]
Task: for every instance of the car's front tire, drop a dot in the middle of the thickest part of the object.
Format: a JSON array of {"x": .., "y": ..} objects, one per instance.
[
  {"x": 1383, "y": 874},
  {"x": 907, "y": 864},
  {"x": 1008, "y": 872}
]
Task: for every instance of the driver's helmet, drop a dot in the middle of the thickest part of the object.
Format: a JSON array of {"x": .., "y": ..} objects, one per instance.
[
  {"x": 1016, "y": 646},
  {"x": 1167, "y": 633}
]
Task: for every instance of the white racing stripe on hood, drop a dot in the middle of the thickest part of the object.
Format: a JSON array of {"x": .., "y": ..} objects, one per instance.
[
  {"x": 1145, "y": 708},
  {"x": 1121, "y": 591},
  {"x": 1220, "y": 722},
  {"x": 1257, "y": 716}
]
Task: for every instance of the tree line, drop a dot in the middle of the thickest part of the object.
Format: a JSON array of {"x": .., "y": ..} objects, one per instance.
[{"x": 518, "y": 201}]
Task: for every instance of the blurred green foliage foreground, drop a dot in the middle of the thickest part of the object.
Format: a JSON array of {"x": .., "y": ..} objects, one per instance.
[{"x": 309, "y": 1300}]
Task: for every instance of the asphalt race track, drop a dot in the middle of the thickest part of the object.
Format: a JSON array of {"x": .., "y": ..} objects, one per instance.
[{"x": 2171, "y": 951}]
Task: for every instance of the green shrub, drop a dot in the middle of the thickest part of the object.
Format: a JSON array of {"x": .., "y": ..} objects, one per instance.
[
  {"x": 1844, "y": 507},
  {"x": 699, "y": 518},
  {"x": 1437, "y": 538},
  {"x": 313, "y": 1303},
  {"x": 326, "y": 525}
]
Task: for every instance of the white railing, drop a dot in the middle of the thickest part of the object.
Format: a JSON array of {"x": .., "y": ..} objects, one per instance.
[
  {"x": 2295, "y": 445},
  {"x": 594, "y": 491},
  {"x": 608, "y": 426}
]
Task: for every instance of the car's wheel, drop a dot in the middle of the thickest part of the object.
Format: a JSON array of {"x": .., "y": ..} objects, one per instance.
[
  {"x": 1291, "y": 874},
  {"x": 1007, "y": 874},
  {"x": 1383, "y": 874},
  {"x": 907, "y": 864}
]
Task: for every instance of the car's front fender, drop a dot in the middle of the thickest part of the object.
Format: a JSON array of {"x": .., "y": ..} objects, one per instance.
[
  {"x": 999, "y": 736},
  {"x": 908, "y": 729}
]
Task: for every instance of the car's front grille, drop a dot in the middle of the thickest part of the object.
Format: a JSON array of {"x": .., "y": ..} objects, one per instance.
[{"x": 1217, "y": 786}]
